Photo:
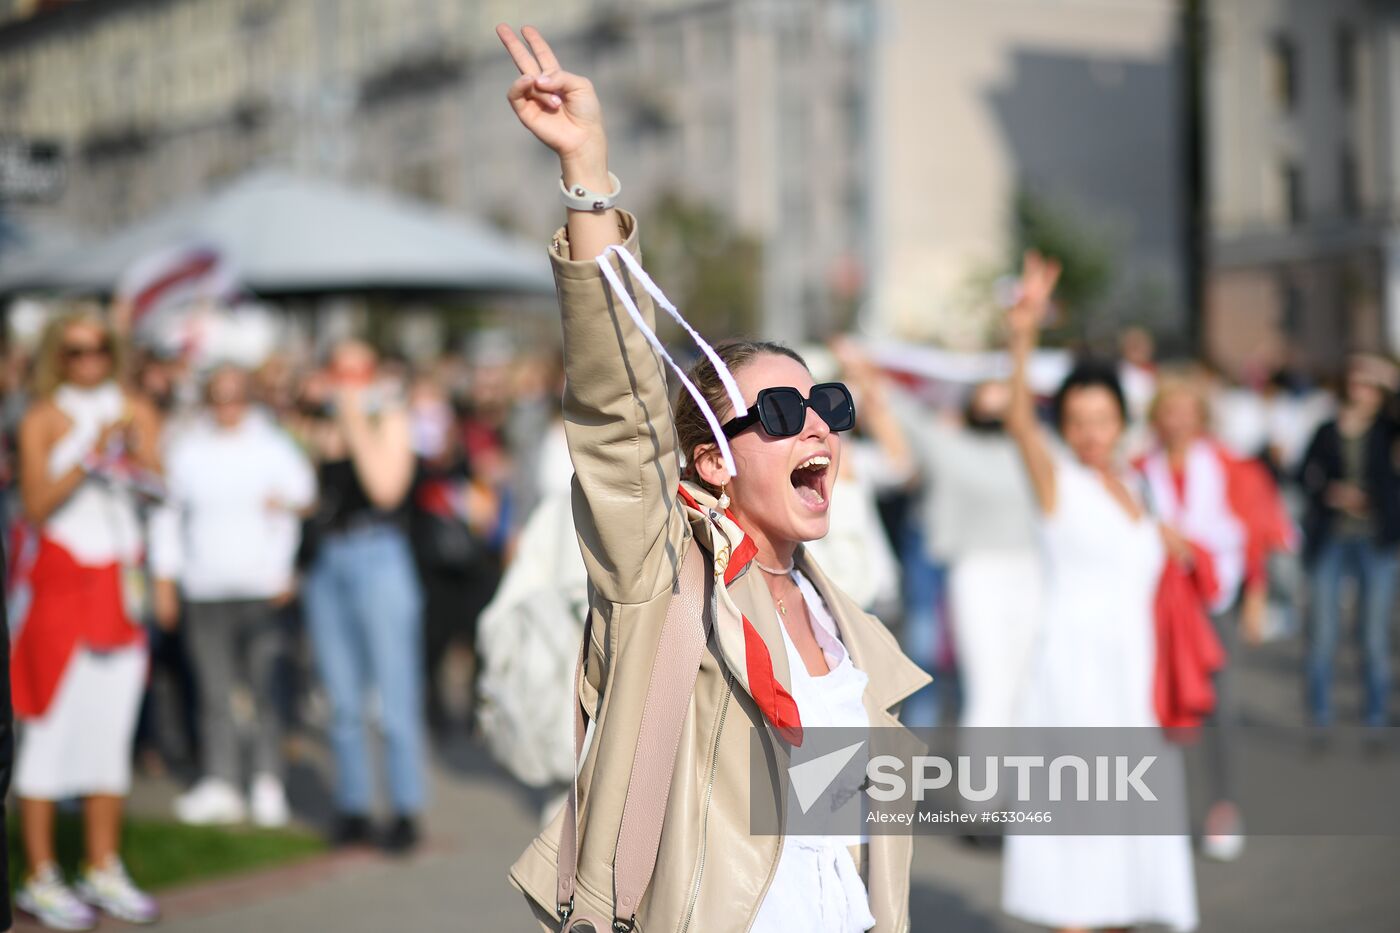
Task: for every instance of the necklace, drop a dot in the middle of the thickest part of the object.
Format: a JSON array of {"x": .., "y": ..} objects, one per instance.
[
  {"x": 782, "y": 608},
  {"x": 780, "y": 572}
]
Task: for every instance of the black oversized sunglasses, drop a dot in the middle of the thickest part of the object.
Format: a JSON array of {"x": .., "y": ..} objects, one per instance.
[
  {"x": 783, "y": 411},
  {"x": 76, "y": 351}
]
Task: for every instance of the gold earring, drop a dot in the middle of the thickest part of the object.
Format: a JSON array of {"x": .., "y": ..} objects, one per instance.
[{"x": 723, "y": 502}]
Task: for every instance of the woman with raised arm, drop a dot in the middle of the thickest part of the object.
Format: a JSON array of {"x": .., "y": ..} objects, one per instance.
[
  {"x": 785, "y": 649},
  {"x": 1102, "y": 556}
]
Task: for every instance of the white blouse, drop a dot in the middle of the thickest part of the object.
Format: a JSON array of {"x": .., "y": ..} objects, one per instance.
[
  {"x": 98, "y": 523},
  {"x": 817, "y": 886}
]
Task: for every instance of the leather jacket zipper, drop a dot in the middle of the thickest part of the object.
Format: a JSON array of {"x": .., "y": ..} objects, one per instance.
[{"x": 705, "y": 811}]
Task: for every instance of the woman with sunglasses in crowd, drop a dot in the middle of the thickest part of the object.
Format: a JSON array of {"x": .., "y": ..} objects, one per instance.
[
  {"x": 786, "y": 649},
  {"x": 79, "y": 658}
]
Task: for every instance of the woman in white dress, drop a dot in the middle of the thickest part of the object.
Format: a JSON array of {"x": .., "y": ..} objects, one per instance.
[
  {"x": 1093, "y": 666},
  {"x": 78, "y": 655}
]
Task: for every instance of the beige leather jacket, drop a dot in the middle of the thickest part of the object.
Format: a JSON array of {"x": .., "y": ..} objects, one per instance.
[{"x": 633, "y": 527}]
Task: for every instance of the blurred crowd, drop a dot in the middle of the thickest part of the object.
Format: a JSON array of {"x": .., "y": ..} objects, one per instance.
[
  {"x": 211, "y": 567},
  {"x": 204, "y": 563}
]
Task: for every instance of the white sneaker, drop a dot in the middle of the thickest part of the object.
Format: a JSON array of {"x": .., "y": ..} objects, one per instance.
[
  {"x": 111, "y": 891},
  {"x": 210, "y": 802},
  {"x": 268, "y": 802},
  {"x": 1223, "y": 847},
  {"x": 47, "y": 899},
  {"x": 1223, "y": 839}
]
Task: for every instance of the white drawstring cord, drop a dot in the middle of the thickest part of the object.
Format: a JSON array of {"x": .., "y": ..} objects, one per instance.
[{"x": 736, "y": 398}]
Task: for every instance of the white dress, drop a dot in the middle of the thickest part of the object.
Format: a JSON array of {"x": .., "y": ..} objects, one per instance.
[
  {"x": 81, "y": 745},
  {"x": 1093, "y": 666},
  {"x": 817, "y": 887}
]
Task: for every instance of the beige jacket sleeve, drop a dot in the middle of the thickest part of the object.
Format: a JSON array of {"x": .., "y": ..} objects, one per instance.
[{"x": 622, "y": 440}]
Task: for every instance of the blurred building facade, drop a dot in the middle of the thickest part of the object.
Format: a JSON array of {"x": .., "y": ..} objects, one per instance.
[
  {"x": 804, "y": 122},
  {"x": 1074, "y": 103},
  {"x": 748, "y": 106},
  {"x": 1303, "y": 181},
  {"x": 875, "y": 149}
]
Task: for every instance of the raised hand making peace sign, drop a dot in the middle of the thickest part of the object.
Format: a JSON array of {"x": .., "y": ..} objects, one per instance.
[
  {"x": 560, "y": 108},
  {"x": 563, "y": 112},
  {"x": 1039, "y": 275}
]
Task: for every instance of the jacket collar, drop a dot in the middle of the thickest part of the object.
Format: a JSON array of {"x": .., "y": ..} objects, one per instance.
[
  {"x": 893, "y": 677},
  {"x": 873, "y": 649},
  {"x": 733, "y": 552}
]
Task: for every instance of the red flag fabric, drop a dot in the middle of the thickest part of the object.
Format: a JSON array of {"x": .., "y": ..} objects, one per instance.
[
  {"x": 60, "y": 605},
  {"x": 1189, "y": 652}
]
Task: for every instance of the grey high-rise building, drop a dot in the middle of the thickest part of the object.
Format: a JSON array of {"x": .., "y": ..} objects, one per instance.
[{"x": 1303, "y": 181}]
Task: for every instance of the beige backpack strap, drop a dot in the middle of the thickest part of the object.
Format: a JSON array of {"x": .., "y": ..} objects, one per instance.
[
  {"x": 677, "y": 663},
  {"x": 673, "y": 672}
]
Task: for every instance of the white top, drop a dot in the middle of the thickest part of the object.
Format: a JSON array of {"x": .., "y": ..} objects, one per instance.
[
  {"x": 976, "y": 497},
  {"x": 230, "y": 529},
  {"x": 98, "y": 523},
  {"x": 817, "y": 886},
  {"x": 1094, "y": 661}
]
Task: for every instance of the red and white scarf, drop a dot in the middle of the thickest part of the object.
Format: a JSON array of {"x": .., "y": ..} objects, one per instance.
[{"x": 1203, "y": 515}]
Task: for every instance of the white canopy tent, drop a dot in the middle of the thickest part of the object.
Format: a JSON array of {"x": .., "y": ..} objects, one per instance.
[{"x": 287, "y": 234}]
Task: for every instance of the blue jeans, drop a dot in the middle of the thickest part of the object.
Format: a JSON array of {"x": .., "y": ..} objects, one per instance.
[
  {"x": 924, "y": 584},
  {"x": 1375, "y": 571},
  {"x": 364, "y": 613}
]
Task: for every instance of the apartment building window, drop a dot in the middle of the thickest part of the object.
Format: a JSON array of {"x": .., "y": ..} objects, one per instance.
[
  {"x": 1283, "y": 71},
  {"x": 715, "y": 40},
  {"x": 669, "y": 49},
  {"x": 717, "y": 143},
  {"x": 1291, "y": 310},
  {"x": 1291, "y": 179},
  {"x": 1347, "y": 63},
  {"x": 13, "y": 96},
  {"x": 1350, "y": 182}
]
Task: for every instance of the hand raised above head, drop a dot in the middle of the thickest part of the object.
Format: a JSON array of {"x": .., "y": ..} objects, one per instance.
[
  {"x": 559, "y": 107},
  {"x": 1039, "y": 275}
]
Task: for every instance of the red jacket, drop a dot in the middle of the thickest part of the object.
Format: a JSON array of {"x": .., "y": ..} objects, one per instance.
[
  {"x": 1255, "y": 500},
  {"x": 1188, "y": 650}
]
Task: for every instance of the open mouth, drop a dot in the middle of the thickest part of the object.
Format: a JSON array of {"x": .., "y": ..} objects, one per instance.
[{"x": 809, "y": 479}]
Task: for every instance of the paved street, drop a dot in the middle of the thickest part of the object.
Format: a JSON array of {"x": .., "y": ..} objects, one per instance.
[{"x": 480, "y": 821}]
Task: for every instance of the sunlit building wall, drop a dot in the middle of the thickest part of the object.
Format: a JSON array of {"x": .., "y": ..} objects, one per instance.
[{"x": 1076, "y": 102}]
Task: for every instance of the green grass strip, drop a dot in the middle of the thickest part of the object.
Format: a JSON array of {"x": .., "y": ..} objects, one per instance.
[{"x": 164, "y": 854}]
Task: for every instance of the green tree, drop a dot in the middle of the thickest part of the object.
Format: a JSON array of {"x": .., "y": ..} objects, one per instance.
[
  {"x": 711, "y": 271},
  {"x": 1087, "y": 253}
]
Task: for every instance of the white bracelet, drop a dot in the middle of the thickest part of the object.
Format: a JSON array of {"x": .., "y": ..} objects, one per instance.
[{"x": 579, "y": 198}]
